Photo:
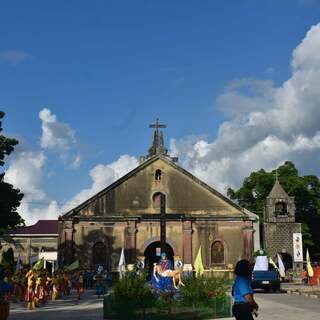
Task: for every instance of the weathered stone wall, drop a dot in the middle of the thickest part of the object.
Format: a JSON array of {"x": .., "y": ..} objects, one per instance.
[
  {"x": 183, "y": 195},
  {"x": 278, "y": 237},
  {"x": 184, "y": 237}
]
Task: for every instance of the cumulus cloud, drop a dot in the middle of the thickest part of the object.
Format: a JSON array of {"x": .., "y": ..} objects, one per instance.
[
  {"x": 14, "y": 56},
  {"x": 27, "y": 169},
  {"x": 59, "y": 138},
  {"x": 267, "y": 124},
  {"x": 26, "y": 173},
  {"x": 102, "y": 176}
]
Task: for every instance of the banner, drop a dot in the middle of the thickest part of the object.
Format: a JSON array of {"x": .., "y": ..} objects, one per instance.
[{"x": 297, "y": 247}]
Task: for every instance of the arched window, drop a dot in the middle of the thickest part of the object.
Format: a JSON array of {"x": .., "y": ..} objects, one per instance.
[
  {"x": 281, "y": 209},
  {"x": 156, "y": 198},
  {"x": 99, "y": 254},
  {"x": 157, "y": 175},
  {"x": 217, "y": 253}
]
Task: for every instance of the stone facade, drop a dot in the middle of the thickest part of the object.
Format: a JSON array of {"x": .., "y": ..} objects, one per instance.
[
  {"x": 279, "y": 226},
  {"x": 126, "y": 215}
]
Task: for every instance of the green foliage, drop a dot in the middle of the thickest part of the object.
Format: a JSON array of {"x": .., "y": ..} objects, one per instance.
[
  {"x": 129, "y": 295},
  {"x": 306, "y": 190},
  {"x": 7, "y": 260},
  {"x": 201, "y": 298},
  {"x": 202, "y": 292},
  {"x": 10, "y": 198}
]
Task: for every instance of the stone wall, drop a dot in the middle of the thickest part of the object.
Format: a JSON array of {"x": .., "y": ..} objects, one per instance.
[{"x": 278, "y": 237}]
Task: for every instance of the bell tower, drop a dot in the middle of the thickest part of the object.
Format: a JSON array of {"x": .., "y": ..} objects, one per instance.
[
  {"x": 280, "y": 227},
  {"x": 279, "y": 207}
]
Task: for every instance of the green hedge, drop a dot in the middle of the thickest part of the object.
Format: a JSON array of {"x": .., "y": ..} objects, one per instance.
[{"x": 200, "y": 299}]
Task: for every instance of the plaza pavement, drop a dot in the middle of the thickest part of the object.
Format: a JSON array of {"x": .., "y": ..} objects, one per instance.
[
  {"x": 279, "y": 306},
  {"x": 68, "y": 308}
]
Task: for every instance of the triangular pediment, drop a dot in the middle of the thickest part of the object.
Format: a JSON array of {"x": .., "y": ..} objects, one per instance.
[{"x": 132, "y": 195}]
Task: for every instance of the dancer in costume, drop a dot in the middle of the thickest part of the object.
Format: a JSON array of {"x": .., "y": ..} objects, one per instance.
[
  {"x": 29, "y": 295},
  {"x": 80, "y": 288},
  {"x": 54, "y": 287},
  {"x": 5, "y": 291},
  {"x": 15, "y": 287},
  {"x": 100, "y": 285}
]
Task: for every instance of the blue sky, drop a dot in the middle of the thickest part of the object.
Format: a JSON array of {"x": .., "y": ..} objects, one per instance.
[{"x": 107, "y": 69}]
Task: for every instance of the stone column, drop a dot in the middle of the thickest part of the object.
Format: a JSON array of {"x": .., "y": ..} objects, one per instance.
[
  {"x": 130, "y": 242},
  {"x": 68, "y": 259},
  {"x": 248, "y": 240},
  {"x": 187, "y": 245}
]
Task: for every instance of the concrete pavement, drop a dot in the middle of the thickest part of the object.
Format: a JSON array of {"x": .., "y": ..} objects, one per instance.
[
  {"x": 88, "y": 308},
  {"x": 283, "y": 306},
  {"x": 279, "y": 306}
]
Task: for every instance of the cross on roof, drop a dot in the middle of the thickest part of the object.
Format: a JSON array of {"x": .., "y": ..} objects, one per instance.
[
  {"x": 158, "y": 141},
  {"x": 157, "y": 125},
  {"x": 277, "y": 175}
]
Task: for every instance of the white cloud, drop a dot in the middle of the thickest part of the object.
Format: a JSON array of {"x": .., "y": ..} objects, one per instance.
[
  {"x": 14, "y": 56},
  {"x": 56, "y": 136},
  {"x": 102, "y": 176},
  {"x": 76, "y": 162},
  {"x": 27, "y": 169},
  {"x": 268, "y": 125},
  {"x": 26, "y": 172}
]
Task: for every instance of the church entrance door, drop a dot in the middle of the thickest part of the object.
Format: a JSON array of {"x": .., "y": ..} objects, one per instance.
[{"x": 152, "y": 255}]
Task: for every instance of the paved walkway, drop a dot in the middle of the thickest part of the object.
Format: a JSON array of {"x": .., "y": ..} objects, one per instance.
[
  {"x": 279, "y": 306},
  {"x": 88, "y": 308}
]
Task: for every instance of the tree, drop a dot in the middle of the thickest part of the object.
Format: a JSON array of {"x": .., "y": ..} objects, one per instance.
[
  {"x": 10, "y": 198},
  {"x": 306, "y": 190}
]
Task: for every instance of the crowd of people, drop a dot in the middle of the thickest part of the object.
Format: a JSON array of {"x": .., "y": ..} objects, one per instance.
[{"x": 36, "y": 287}]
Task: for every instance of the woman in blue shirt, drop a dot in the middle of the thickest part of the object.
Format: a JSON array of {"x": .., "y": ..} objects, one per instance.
[{"x": 242, "y": 292}]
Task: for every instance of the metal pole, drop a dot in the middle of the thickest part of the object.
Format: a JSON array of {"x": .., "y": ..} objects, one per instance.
[{"x": 163, "y": 242}]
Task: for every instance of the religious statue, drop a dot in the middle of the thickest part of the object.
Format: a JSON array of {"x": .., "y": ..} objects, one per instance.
[{"x": 163, "y": 271}]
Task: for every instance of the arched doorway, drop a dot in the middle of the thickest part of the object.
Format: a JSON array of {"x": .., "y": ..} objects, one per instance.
[
  {"x": 99, "y": 255},
  {"x": 152, "y": 255}
]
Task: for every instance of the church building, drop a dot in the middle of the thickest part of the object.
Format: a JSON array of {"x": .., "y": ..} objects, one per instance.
[{"x": 126, "y": 215}]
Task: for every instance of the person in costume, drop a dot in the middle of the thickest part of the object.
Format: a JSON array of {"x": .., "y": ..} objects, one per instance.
[
  {"x": 30, "y": 295},
  {"x": 15, "y": 287},
  {"x": 80, "y": 288},
  {"x": 54, "y": 287},
  {"x": 5, "y": 290},
  {"x": 99, "y": 279}
]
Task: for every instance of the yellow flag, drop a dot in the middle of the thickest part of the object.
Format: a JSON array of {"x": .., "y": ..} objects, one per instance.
[
  {"x": 39, "y": 264},
  {"x": 198, "y": 266},
  {"x": 73, "y": 266},
  {"x": 273, "y": 263},
  {"x": 309, "y": 266}
]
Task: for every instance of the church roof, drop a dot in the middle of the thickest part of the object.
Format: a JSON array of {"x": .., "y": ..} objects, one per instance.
[
  {"x": 277, "y": 191},
  {"x": 143, "y": 165},
  {"x": 42, "y": 227}
]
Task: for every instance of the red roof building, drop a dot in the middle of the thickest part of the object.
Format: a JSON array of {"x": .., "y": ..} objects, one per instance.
[
  {"x": 32, "y": 242},
  {"x": 42, "y": 227}
]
